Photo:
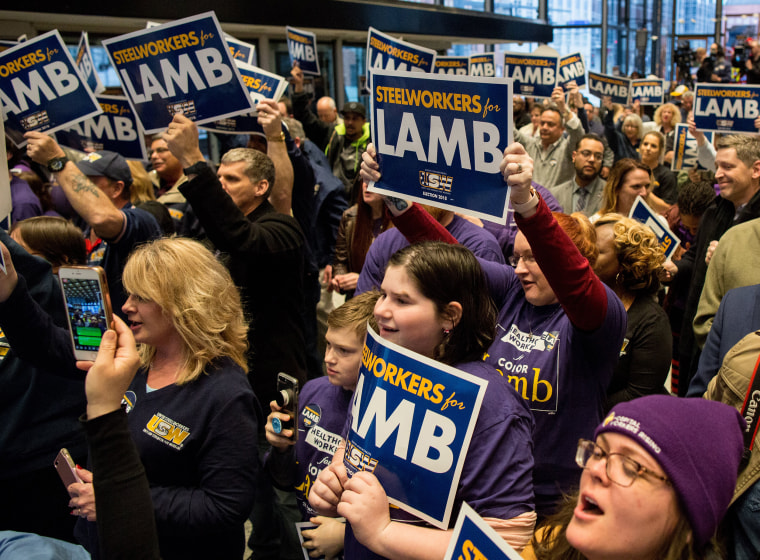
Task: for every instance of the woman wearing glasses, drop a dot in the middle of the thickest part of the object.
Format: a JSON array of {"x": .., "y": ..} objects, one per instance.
[{"x": 657, "y": 480}]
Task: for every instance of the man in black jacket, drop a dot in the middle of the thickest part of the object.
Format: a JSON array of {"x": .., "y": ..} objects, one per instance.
[
  {"x": 738, "y": 175},
  {"x": 264, "y": 249}
]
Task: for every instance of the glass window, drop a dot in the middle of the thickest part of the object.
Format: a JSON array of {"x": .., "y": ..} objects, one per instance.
[
  {"x": 615, "y": 50},
  {"x": 478, "y": 5},
  {"x": 741, "y": 27},
  {"x": 517, "y": 8},
  {"x": 354, "y": 64},
  {"x": 575, "y": 12},
  {"x": 586, "y": 40},
  {"x": 695, "y": 17}
]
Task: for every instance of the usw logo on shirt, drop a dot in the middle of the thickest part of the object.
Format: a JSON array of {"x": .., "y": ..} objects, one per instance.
[{"x": 167, "y": 430}]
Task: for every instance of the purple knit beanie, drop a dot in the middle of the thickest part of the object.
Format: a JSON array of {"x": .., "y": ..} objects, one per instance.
[{"x": 698, "y": 443}]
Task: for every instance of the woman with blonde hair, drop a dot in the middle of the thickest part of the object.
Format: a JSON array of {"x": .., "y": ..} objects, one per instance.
[
  {"x": 191, "y": 410},
  {"x": 630, "y": 259},
  {"x": 666, "y": 117},
  {"x": 628, "y": 179},
  {"x": 665, "y": 189},
  {"x": 142, "y": 187}
]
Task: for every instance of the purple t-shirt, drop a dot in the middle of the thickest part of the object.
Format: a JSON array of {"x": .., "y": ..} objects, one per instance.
[
  {"x": 324, "y": 408},
  {"x": 481, "y": 242},
  {"x": 496, "y": 477},
  {"x": 25, "y": 202},
  {"x": 561, "y": 372}
]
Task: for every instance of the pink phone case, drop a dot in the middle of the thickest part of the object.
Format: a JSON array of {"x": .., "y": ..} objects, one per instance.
[{"x": 66, "y": 468}]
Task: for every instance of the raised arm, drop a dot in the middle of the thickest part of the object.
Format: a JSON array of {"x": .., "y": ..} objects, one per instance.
[
  {"x": 126, "y": 525},
  {"x": 578, "y": 289},
  {"x": 225, "y": 224},
  {"x": 281, "y": 196},
  {"x": 610, "y": 132},
  {"x": 85, "y": 197},
  {"x": 317, "y": 131},
  {"x": 25, "y": 324}
]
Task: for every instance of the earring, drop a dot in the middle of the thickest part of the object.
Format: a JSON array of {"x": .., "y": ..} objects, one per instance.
[{"x": 446, "y": 332}]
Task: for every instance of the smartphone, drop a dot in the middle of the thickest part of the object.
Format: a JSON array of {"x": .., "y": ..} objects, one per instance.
[
  {"x": 66, "y": 468},
  {"x": 88, "y": 307},
  {"x": 287, "y": 399}
]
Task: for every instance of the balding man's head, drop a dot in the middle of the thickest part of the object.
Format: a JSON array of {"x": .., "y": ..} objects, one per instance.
[{"x": 327, "y": 110}]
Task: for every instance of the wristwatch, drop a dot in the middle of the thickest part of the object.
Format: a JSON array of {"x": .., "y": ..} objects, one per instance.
[
  {"x": 195, "y": 168},
  {"x": 57, "y": 164}
]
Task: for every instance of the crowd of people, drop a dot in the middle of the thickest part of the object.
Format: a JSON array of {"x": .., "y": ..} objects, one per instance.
[{"x": 613, "y": 424}]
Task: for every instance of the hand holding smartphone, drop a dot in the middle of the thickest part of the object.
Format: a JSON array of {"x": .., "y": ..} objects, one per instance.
[
  {"x": 88, "y": 307},
  {"x": 287, "y": 400},
  {"x": 66, "y": 468}
]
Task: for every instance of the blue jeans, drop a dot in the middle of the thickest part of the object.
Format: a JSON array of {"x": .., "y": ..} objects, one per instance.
[
  {"x": 745, "y": 526},
  {"x": 34, "y": 547}
]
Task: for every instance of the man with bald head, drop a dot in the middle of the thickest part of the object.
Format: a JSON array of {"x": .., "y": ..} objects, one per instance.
[{"x": 327, "y": 111}]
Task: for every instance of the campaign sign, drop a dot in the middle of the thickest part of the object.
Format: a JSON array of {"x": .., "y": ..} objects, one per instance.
[
  {"x": 641, "y": 212},
  {"x": 411, "y": 424},
  {"x": 649, "y": 91},
  {"x": 5, "y": 191},
  {"x": 726, "y": 108},
  {"x": 456, "y": 65},
  {"x": 87, "y": 67},
  {"x": 614, "y": 86},
  {"x": 474, "y": 539},
  {"x": 483, "y": 65},
  {"x": 534, "y": 75},
  {"x": 686, "y": 150},
  {"x": 239, "y": 50},
  {"x": 5, "y": 45},
  {"x": 116, "y": 129},
  {"x": 440, "y": 140},
  {"x": 386, "y": 53},
  {"x": 182, "y": 66},
  {"x": 572, "y": 68},
  {"x": 261, "y": 85},
  {"x": 40, "y": 88},
  {"x": 302, "y": 47}
]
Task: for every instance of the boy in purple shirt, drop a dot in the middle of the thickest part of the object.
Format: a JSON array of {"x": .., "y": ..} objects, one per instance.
[{"x": 323, "y": 408}]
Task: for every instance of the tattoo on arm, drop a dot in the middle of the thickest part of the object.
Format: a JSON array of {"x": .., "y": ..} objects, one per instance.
[
  {"x": 80, "y": 183},
  {"x": 398, "y": 203}
]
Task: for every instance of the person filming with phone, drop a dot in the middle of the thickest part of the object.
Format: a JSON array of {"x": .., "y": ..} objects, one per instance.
[{"x": 190, "y": 408}]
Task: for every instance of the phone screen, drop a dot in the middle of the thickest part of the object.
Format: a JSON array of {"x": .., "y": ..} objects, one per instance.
[{"x": 84, "y": 303}]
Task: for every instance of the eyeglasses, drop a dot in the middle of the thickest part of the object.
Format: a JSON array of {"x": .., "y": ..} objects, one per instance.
[
  {"x": 527, "y": 259},
  {"x": 621, "y": 470},
  {"x": 588, "y": 154},
  {"x": 157, "y": 151}
]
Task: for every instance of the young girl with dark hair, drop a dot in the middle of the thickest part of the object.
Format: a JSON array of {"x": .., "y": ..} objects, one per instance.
[{"x": 434, "y": 301}]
